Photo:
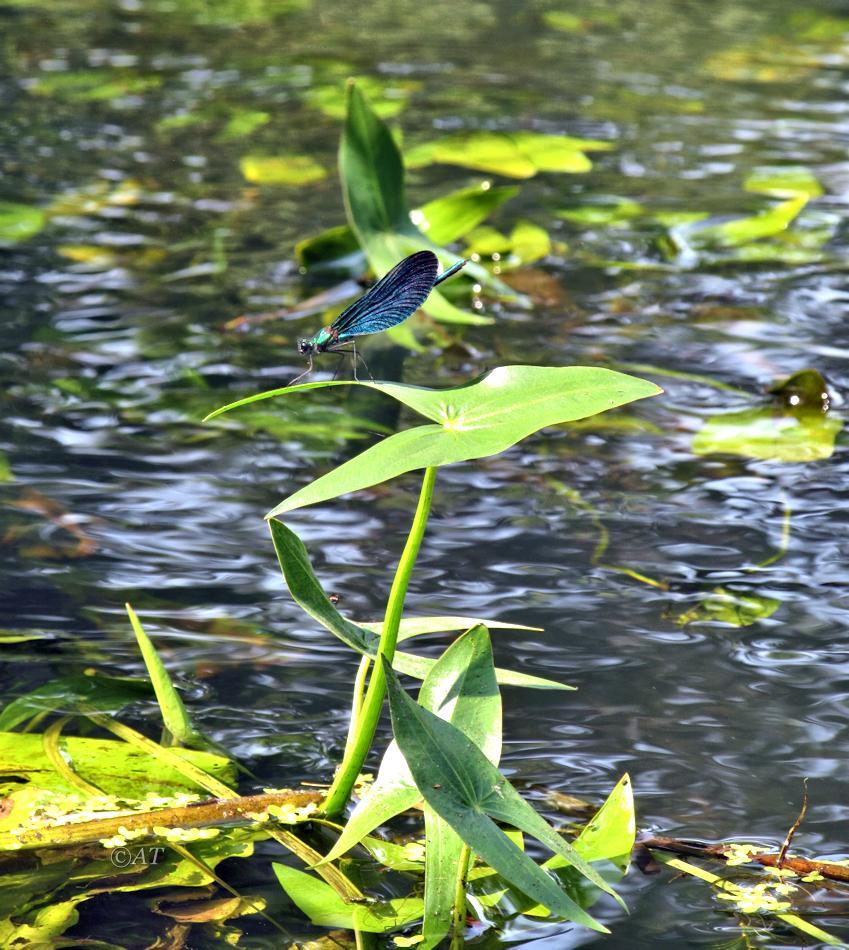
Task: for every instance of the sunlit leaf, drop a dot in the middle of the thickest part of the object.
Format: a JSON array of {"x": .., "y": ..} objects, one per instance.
[
  {"x": 475, "y": 420},
  {"x": 565, "y": 21},
  {"x": 447, "y": 219},
  {"x": 388, "y": 97},
  {"x": 113, "y": 766},
  {"x": 513, "y": 154},
  {"x": 243, "y": 123},
  {"x": 486, "y": 242},
  {"x": 281, "y": 170},
  {"x": 529, "y": 242},
  {"x": 769, "y": 433},
  {"x": 743, "y": 230},
  {"x": 323, "y": 906},
  {"x": 603, "y": 211},
  {"x": 784, "y": 181},
  {"x": 19, "y": 222},
  {"x": 94, "y": 85},
  {"x": 173, "y": 711}
]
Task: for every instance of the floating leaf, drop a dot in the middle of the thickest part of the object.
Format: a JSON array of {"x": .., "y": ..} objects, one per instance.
[
  {"x": 604, "y": 211},
  {"x": 93, "y": 85},
  {"x": 281, "y": 170},
  {"x": 19, "y": 222},
  {"x": 514, "y": 154},
  {"x": 784, "y": 181},
  {"x": 564, "y": 21},
  {"x": 243, "y": 122},
  {"x": 529, "y": 242},
  {"x": 388, "y": 97},
  {"x": 768, "y": 433},
  {"x": 113, "y": 766},
  {"x": 740, "y": 231}
]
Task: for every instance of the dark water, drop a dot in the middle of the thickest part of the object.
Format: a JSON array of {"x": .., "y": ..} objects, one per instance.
[{"x": 113, "y": 348}]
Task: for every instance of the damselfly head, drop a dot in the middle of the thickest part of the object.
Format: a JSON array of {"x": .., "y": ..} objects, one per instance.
[{"x": 305, "y": 347}]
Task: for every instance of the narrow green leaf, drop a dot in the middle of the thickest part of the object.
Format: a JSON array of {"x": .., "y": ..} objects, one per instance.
[
  {"x": 173, "y": 711},
  {"x": 444, "y": 852},
  {"x": 418, "y": 626},
  {"x": 372, "y": 175},
  {"x": 308, "y": 593},
  {"x": 323, "y": 906},
  {"x": 460, "y": 688},
  {"x": 465, "y": 789}
]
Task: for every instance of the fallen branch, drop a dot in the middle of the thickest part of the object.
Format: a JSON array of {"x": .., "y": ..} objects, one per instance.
[{"x": 801, "y": 866}]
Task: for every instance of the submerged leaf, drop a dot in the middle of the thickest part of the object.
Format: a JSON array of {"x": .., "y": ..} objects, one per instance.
[
  {"x": 19, "y": 222},
  {"x": 730, "y": 607},
  {"x": 281, "y": 169},
  {"x": 768, "y": 433}
]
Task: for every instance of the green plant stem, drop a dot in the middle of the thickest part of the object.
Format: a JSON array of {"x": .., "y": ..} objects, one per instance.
[
  {"x": 459, "y": 921},
  {"x": 357, "y": 703},
  {"x": 364, "y": 724}
]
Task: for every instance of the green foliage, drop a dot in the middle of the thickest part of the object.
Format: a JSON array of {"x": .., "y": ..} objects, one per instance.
[
  {"x": 19, "y": 222},
  {"x": 768, "y": 432},
  {"x": 512, "y": 154},
  {"x": 281, "y": 170},
  {"x": 372, "y": 175},
  {"x": 112, "y": 766},
  {"x": 307, "y": 592},
  {"x": 173, "y": 711},
  {"x": 481, "y": 418},
  {"x": 323, "y": 906},
  {"x": 468, "y": 792}
]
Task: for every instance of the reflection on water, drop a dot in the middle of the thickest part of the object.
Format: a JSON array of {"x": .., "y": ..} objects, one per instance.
[{"x": 133, "y": 227}]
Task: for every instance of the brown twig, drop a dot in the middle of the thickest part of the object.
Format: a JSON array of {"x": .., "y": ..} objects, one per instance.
[
  {"x": 795, "y": 826},
  {"x": 211, "y": 812},
  {"x": 722, "y": 852}
]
